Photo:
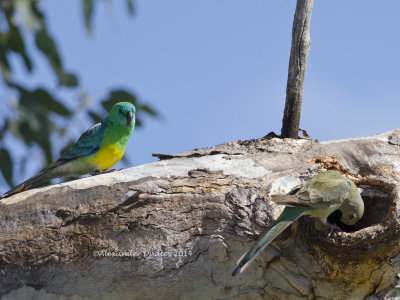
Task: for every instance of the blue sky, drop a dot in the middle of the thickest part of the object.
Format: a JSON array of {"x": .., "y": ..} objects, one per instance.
[{"x": 217, "y": 70}]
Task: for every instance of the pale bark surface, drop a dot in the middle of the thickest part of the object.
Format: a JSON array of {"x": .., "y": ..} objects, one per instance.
[{"x": 186, "y": 221}]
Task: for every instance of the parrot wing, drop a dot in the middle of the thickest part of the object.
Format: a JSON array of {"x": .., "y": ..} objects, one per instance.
[
  {"x": 317, "y": 193},
  {"x": 88, "y": 143}
]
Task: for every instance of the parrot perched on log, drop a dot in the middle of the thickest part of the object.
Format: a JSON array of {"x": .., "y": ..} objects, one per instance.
[
  {"x": 319, "y": 197},
  {"x": 98, "y": 149}
]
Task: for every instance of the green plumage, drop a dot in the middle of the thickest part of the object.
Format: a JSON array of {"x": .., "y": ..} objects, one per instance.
[
  {"x": 98, "y": 148},
  {"x": 287, "y": 217},
  {"x": 320, "y": 196}
]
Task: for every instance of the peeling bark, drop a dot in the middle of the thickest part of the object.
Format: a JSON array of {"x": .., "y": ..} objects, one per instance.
[{"x": 175, "y": 228}]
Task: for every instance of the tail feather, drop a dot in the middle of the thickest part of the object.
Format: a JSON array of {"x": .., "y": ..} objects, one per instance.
[
  {"x": 32, "y": 182},
  {"x": 288, "y": 216}
]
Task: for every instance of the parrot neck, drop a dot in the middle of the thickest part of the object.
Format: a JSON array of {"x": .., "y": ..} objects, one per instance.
[{"x": 116, "y": 134}]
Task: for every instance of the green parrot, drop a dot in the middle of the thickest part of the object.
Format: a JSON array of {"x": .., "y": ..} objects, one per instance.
[
  {"x": 319, "y": 197},
  {"x": 98, "y": 149}
]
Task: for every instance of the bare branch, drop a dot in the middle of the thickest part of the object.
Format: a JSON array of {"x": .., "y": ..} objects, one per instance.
[{"x": 297, "y": 68}]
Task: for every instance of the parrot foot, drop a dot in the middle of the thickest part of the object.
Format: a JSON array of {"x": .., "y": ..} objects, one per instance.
[
  {"x": 97, "y": 172},
  {"x": 333, "y": 228}
]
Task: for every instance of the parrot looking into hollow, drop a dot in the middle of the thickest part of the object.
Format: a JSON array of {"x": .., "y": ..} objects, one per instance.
[
  {"x": 98, "y": 149},
  {"x": 319, "y": 197}
]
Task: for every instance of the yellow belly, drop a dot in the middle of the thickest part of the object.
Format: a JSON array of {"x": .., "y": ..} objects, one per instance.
[{"x": 106, "y": 157}]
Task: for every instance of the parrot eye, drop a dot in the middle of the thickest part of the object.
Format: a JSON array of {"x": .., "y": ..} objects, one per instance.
[
  {"x": 351, "y": 217},
  {"x": 120, "y": 111}
]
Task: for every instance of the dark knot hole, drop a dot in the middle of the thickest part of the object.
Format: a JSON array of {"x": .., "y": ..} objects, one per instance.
[{"x": 377, "y": 204}]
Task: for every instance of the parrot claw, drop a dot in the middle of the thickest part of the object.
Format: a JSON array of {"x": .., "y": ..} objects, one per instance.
[
  {"x": 333, "y": 228},
  {"x": 97, "y": 172}
]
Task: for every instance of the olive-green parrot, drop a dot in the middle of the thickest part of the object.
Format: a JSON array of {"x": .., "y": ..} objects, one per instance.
[{"x": 319, "y": 197}]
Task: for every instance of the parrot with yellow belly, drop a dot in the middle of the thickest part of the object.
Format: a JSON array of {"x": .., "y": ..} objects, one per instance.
[{"x": 98, "y": 149}]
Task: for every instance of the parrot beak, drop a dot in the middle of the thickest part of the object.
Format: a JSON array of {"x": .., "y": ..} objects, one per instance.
[{"x": 129, "y": 117}]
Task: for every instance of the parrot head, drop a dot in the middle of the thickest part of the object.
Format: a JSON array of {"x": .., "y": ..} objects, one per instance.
[
  {"x": 123, "y": 114},
  {"x": 352, "y": 209}
]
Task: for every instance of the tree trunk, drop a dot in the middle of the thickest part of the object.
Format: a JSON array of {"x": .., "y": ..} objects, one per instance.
[
  {"x": 174, "y": 229},
  {"x": 301, "y": 44}
]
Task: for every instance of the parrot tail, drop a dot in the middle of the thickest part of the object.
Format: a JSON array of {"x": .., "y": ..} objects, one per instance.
[
  {"x": 287, "y": 217},
  {"x": 32, "y": 182}
]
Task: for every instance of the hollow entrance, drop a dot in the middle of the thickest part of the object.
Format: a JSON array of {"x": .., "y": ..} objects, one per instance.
[{"x": 377, "y": 203}]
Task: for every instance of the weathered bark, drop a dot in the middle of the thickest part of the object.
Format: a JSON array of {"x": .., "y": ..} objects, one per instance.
[
  {"x": 178, "y": 226},
  {"x": 301, "y": 44}
]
